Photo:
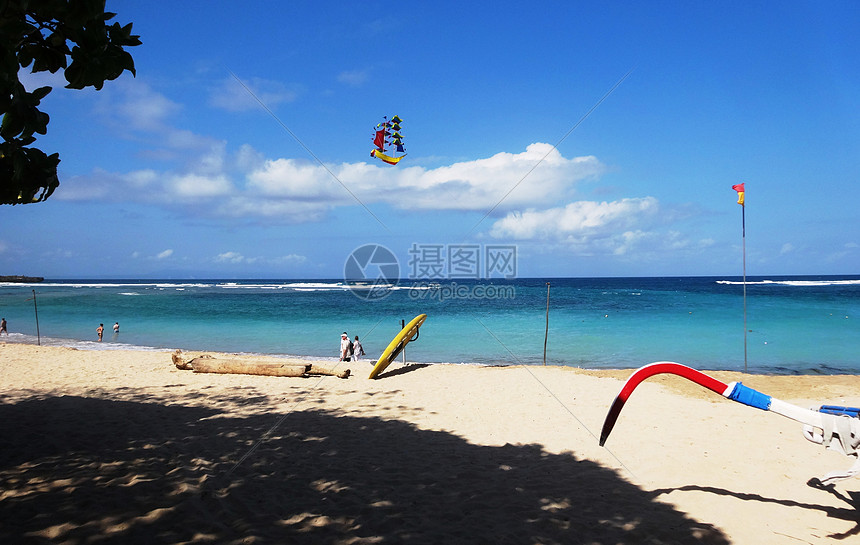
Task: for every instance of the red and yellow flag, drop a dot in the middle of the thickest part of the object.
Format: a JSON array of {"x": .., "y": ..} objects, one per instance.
[{"x": 740, "y": 189}]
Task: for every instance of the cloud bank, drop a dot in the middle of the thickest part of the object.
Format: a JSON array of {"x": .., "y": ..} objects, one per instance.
[{"x": 530, "y": 194}]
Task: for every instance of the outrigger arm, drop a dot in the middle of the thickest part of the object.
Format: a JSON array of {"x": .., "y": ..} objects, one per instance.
[{"x": 836, "y": 428}]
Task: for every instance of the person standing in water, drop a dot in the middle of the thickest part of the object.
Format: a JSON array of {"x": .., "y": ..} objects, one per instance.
[{"x": 100, "y": 330}]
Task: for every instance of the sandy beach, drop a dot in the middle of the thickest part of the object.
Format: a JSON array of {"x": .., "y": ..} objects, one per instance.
[{"x": 117, "y": 446}]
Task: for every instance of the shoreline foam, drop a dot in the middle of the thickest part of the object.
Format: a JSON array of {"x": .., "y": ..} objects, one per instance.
[{"x": 18, "y": 338}]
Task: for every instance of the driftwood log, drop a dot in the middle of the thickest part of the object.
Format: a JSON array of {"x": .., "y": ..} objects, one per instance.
[{"x": 208, "y": 364}]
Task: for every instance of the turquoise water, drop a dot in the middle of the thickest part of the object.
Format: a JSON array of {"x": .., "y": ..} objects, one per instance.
[{"x": 795, "y": 324}]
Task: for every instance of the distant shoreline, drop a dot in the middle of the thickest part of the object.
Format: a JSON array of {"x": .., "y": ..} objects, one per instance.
[
  {"x": 19, "y": 279},
  {"x": 620, "y": 372}
]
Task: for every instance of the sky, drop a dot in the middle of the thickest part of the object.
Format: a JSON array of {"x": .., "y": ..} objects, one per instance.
[{"x": 586, "y": 138}]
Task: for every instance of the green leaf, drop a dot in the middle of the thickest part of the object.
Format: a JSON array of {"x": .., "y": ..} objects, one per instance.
[
  {"x": 12, "y": 125},
  {"x": 41, "y": 93},
  {"x": 49, "y": 35}
]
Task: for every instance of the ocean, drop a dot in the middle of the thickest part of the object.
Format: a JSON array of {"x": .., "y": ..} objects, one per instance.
[{"x": 795, "y": 325}]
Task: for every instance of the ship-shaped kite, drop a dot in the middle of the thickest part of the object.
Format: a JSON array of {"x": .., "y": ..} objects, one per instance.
[{"x": 387, "y": 134}]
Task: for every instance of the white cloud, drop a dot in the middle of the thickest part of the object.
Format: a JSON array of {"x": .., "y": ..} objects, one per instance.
[
  {"x": 244, "y": 206},
  {"x": 193, "y": 185},
  {"x": 291, "y": 259},
  {"x": 146, "y": 186},
  {"x": 850, "y": 249},
  {"x": 180, "y": 139},
  {"x": 576, "y": 220},
  {"x": 244, "y": 184},
  {"x": 230, "y": 257},
  {"x": 161, "y": 255},
  {"x": 236, "y": 257},
  {"x": 293, "y": 179},
  {"x": 248, "y": 159},
  {"x": 539, "y": 175},
  {"x": 141, "y": 179},
  {"x": 100, "y": 185},
  {"x": 134, "y": 105},
  {"x": 355, "y": 78},
  {"x": 674, "y": 241},
  {"x": 139, "y": 113},
  {"x": 110, "y": 186},
  {"x": 624, "y": 242},
  {"x": 233, "y": 96},
  {"x": 589, "y": 227}
]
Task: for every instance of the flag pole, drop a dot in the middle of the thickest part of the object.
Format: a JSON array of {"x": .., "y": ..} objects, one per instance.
[
  {"x": 740, "y": 189},
  {"x": 744, "y": 246}
]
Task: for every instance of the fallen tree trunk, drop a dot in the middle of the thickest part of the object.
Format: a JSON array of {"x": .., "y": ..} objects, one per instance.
[
  {"x": 325, "y": 371},
  {"x": 208, "y": 364}
]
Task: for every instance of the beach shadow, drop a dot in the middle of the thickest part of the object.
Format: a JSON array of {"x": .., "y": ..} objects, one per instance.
[
  {"x": 850, "y": 514},
  {"x": 403, "y": 370},
  {"x": 76, "y": 469}
]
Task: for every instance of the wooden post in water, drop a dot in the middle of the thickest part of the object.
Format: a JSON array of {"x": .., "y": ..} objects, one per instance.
[
  {"x": 546, "y": 332},
  {"x": 36, "y": 310}
]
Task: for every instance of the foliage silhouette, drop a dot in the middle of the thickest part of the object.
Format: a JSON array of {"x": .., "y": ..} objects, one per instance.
[{"x": 47, "y": 34}]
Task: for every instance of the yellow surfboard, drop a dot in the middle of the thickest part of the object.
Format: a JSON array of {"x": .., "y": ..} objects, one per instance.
[{"x": 408, "y": 333}]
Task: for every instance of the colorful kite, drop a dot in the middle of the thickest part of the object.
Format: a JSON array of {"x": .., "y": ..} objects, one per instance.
[{"x": 388, "y": 134}]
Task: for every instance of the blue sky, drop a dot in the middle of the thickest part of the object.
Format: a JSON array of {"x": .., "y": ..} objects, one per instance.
[{"x": 181, "y": 173}]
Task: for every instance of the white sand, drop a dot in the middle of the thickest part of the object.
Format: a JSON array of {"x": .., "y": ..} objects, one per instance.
[{"x": 122, "y": 447}]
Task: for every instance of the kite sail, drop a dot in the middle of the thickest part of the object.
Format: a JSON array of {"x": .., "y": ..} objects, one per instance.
[{"x": 387, "y": 134}]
